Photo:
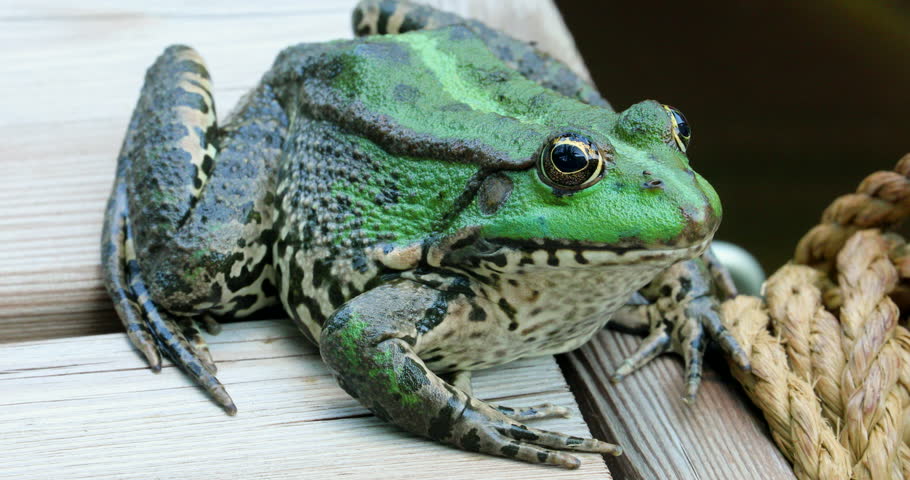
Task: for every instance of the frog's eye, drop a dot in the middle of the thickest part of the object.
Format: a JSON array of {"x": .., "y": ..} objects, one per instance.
[
  {"x": 681, "y": 131},
  {"x": 571, "y": 162}
]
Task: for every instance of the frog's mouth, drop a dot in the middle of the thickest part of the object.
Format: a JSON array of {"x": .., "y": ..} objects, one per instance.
[{"x": 468, "y": 250}]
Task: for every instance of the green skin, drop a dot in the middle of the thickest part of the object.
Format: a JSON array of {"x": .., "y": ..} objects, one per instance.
[{"x": 386, "y": 192}]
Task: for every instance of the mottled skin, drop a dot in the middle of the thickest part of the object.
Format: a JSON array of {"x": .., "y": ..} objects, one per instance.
[{"x": 421, "y": 205}]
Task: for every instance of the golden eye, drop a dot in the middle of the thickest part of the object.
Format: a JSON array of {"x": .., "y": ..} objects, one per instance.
[
  {"x": 571, "y": 162},
  {"x": 681, "y": 131}
]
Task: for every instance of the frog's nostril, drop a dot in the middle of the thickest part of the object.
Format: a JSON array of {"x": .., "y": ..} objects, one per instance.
[{"x": 653, "y": 184}]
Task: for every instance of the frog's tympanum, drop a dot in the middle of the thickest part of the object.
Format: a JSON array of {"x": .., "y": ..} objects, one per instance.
[{"x": 422, "y": 205}]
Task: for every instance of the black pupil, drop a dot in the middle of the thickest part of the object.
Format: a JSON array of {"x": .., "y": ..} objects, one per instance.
[
  {"x": 681, "y": 125},
  {"x": 569, "y": 158}
]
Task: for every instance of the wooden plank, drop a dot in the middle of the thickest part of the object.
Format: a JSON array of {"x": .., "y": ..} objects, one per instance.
[
  {"x": 721, "y": 436},
  {"x": 87, "y": 407},
  {"x": 69, "y": 77}
]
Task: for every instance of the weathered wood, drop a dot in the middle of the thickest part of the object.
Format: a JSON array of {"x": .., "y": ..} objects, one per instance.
[
  {"x": 87, "y": 407},
  {"x": 720, "y": 436}
]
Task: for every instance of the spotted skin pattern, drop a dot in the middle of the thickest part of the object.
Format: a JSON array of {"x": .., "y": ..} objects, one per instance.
[
  {"x": 339, "y": 190},
  {"x": 201, "y": 237}
]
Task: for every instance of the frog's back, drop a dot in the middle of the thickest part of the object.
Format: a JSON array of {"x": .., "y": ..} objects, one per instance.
[{"x": 387, "y": 136}]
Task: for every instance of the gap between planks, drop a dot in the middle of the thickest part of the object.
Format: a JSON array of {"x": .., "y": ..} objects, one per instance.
[{"x": 721, "y": 436}]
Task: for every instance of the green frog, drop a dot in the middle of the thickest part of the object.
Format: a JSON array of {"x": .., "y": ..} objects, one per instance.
[{"x": 429, "y": 199}]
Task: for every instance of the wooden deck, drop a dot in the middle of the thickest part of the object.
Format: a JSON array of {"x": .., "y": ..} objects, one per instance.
[
  {"x": 78, "y": 404},
  {"x": 88, "y": 408}
]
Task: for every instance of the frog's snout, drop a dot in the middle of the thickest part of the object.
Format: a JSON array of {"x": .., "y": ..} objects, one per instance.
[
  {"x": 701, "y": 221},
  {"x": 696, "y": 202}
]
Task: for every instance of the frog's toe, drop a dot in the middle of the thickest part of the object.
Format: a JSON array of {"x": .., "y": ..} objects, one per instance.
[
  {"x": 531, "y": 453},
  {"x": 720, "y": 335},
  {"x": 210, "y": 324},
  {"x": 188, "y": 334},
  {"x": 173, "y": 342},
  {"x": 562, "y": 441},
  {"x": 703, "y": 324},
  {"x": 534, "y": 412},
  {"x": 142, "y": 339},
  {"x": 692, "y": 345},
  {"x": 656, "y": 343}
]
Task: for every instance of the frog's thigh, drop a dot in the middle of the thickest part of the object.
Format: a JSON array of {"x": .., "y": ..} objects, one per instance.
[
  {"x": 199, "y": 196},
  {"x": 369, "y": 345}
]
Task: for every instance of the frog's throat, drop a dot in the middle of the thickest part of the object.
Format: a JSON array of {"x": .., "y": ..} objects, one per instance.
[{"x": 528, "y": 255}]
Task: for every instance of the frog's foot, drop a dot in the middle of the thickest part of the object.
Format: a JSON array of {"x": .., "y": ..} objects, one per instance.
[
  {"x": 682, "y": 319},
  {"x": 151, "y": 330},
  {"x": 483, "y": 428},
  {"x": 179, "y": 339}
]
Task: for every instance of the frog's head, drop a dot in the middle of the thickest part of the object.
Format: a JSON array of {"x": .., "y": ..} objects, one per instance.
[
  {"x": 472, "y": 158},
  {"x": 621, "y": 185}
]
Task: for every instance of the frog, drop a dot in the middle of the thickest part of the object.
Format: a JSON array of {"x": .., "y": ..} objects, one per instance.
[{"x": 430, "y": 198}]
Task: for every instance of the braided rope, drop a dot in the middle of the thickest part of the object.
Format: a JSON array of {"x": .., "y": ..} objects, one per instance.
[
  {"x": 881, "y": 201},
  {"x": 830, "y": 362}
]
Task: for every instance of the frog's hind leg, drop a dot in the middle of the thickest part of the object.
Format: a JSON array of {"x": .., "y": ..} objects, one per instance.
[
  {"x": 181, "y": 241},
  {"x": 373, "y": 17},
  {"x": 149, "y": 329}
]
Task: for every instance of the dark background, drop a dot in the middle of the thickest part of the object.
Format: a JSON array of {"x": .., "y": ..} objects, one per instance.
[{"x": 791, "y": 103}]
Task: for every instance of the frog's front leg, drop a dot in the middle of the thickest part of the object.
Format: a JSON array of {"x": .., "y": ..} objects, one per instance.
[
  {"x": 679, "y": 312},
  {"x": 370, "y": 344}
]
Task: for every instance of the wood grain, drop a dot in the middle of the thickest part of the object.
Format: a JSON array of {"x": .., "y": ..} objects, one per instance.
[
  {"x": 87, "y": 407},
  {"x": 720, "y": 436}
]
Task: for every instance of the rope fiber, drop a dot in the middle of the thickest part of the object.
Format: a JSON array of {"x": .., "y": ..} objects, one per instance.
[{"x": 830, "y": 356}]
